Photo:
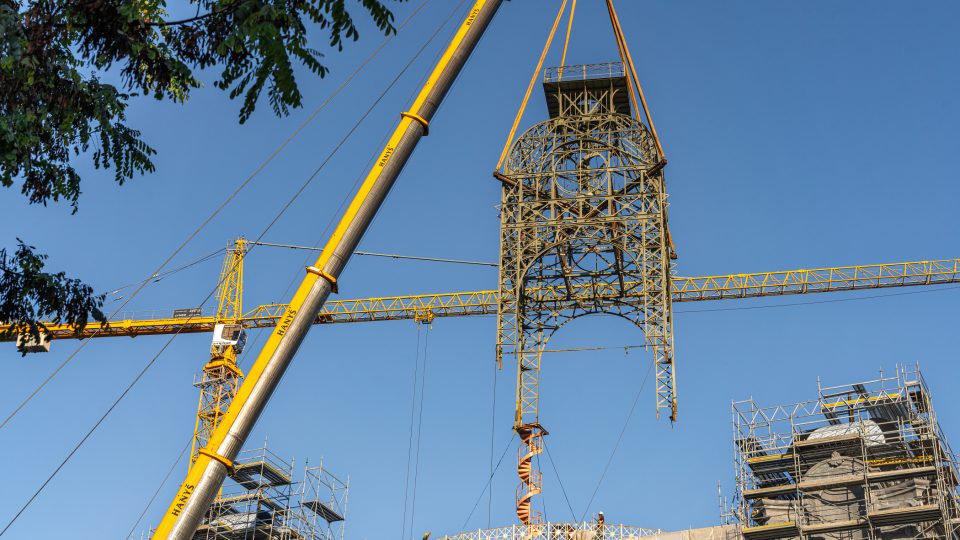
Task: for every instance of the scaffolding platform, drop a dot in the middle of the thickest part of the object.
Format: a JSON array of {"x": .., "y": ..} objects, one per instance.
[
  {"x": 259, "y": 474},
  {"x": 263, "y": 500},
  {"x": 861, "y": 461},
  {"x": 323, "y": 510}
]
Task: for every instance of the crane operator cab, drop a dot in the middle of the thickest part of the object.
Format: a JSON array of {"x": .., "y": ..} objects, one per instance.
[{"x": 226, "y": 335}]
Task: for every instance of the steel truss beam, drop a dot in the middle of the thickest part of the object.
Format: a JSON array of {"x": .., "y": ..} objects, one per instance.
[{"x": 463, "y": 304}]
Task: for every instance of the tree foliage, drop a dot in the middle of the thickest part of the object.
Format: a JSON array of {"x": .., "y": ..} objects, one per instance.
[
  {"x": 69, "y": 68},
  {"x": 27, "y": 294},
  {"x": 54, "y": 54}
]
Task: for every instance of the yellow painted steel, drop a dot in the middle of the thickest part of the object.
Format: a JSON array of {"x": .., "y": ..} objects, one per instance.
[
  {"x": 186, "y": 489},
  {"x": 221, "y": 375},
  {"x": 848, "y": 402},
  {"x": 533, "y": 82},
  {"x": 460, "y": 304}
]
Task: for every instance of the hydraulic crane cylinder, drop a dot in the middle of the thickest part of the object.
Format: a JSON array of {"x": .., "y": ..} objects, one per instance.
[{"x": 213, "y": 462}]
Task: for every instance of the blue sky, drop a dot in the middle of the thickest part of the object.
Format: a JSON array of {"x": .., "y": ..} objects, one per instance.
[{"x": 799, "y": 135}]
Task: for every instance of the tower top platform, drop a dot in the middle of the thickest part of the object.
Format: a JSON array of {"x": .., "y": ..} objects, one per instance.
[{"x": 586, "y": 89}]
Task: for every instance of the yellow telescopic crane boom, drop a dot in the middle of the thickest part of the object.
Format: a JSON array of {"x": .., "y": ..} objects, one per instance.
[{"x": 194, "y": 496}]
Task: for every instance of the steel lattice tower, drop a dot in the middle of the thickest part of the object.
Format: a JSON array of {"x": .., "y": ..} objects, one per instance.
[
  {"x": 583, "y": 229},
  {"x": 222, "y": 376}
]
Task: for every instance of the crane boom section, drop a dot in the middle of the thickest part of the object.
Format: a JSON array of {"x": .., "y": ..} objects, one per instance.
[
  {"x": 195, "y": 494},
  {"x": 461, "y": 304}
]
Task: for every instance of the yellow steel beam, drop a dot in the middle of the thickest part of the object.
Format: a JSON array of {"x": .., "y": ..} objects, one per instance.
[
  {"x": 460, "y": 304},
  {"x": 204, "y": 479}
]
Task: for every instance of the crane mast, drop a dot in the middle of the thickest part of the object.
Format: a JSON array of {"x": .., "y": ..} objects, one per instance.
[
  {"x": 213, "y": 461},
  {"x": 221, "y": 376}
]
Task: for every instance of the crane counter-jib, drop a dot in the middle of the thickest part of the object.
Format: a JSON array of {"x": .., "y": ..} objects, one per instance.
[{"x": 461, "y": 304}]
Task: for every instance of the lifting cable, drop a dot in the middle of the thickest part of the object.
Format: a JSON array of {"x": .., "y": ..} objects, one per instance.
[
  {"x": 566, "y": 41},
  {"x": 212, "y": 292},
  {"x": 416, "y": 463},
  {"x": 543, "y": 500},
  {"x": 616, "y": 446},
  {"x": 573, "y": 515},
  {"x": 493, "y": 432},
  {"x": 633, "y": 81},
  {"x": 413, "y": 411},
  {"x": 219, "y": 208},
  {"x": 533, "y": 81},
  {"x": 489, "y": 480}
]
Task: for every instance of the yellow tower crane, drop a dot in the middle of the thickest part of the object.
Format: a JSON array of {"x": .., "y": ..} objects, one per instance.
[{"x": 221, "y": 376}]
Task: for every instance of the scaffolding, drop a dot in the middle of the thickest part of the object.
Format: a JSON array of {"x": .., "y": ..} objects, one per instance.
[
  {"x": 862, "y": 461},
  {"x": 262, "y": 500}
]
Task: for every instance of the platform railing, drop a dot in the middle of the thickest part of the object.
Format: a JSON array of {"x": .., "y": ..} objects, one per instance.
[
  {"x": 609, "y": 70},
  {"x": 584, "y": 530}
]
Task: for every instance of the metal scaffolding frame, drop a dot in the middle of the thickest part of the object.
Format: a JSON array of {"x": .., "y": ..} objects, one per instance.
[
  {"x": 263, "y": 500},
  {"x": 862, "y": 461}
]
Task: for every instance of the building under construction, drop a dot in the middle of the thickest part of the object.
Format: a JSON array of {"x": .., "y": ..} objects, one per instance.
[{"x": 863, "y": 460}]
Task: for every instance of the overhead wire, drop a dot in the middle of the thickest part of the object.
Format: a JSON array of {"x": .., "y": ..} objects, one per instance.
[
  {"x": 413, "y": 413},
  {"x": 385, "y": 255},
  {"x": 493, "y": 432},
  {"x": 616, "y": 445},
  {"x": 489, "y": 480},
  {"x": 556, "y": 472},
  {"x": 347, "y": 198},
  {"x": 295, "y": 278},
  {"x": 543, "y": 500},
  {"x": 156, "y": 492},
  {"x": 216, "y": 211},
  {"x": 172, "y": 337},
  {"x": 83, "y": 344},
  {"x": 416, "y": 465},
  {"x": 157, "y": 277},
  {"x": 89, "y": 433}
]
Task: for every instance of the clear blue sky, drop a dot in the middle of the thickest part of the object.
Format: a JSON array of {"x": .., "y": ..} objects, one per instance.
[{"x": 799, "y": 135}]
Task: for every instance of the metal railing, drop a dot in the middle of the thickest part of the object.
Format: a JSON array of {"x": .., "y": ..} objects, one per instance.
[
  {"x": 585, "y": 530},
  {"x": 583, "y": 72}
]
